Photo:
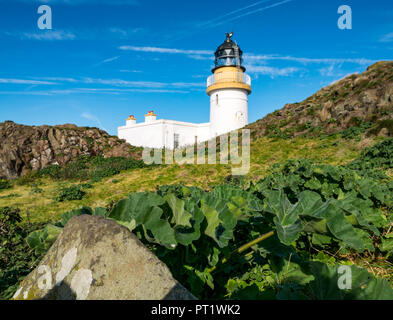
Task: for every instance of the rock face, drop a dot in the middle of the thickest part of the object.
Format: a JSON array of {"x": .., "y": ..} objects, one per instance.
[
  {"x": 98, "y": 259},
  {"x": 25, "y": 148},
  {"x": 366, "y": 97}
]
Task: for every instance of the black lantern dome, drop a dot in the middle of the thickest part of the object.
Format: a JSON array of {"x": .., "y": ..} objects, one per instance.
[{"x": 228, "y": 54}]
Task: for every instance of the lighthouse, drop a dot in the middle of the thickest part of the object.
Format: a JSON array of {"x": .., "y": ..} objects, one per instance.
[{"x": 228, "y": 89}]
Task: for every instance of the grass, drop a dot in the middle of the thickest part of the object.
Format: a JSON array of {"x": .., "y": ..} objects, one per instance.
[{"x": 264, "y": 152}]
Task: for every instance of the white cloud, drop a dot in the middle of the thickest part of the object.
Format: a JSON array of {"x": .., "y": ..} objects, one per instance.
[
  {"x": 82, "y": 2},
  {"x": 124, "y": 33},
  {"x": 271, "y": 71},
  {"x": 106, "y": 61},
  {"x": 218, "y": 23},
  {"x": 120, "y": 83},
  {"x": 166, "y": 50},
  {"x": 111, "y": 91},
  {"x": 48, "y": 35},
  {"x": 130, "y": 71},
  {"x": 93, "y": 118},
  {"x": 250, "y": 58},
  {"x": 329, "y": 71},
  {"x": 141, "y": 84},
  {"x": 220, "y": 18},
  {"x": 387, "y": 38},
  {"x": 303, "y": 60},
  {"x": 60, "y": 79},
  {"x": 110, "y": 59},
  {"x": 24, "y": 81}
]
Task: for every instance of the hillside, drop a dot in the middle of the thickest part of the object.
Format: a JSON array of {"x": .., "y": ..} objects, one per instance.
[
  {"x": 320, "y": 188},
  {"x": 25, "y": 148},
  {"x": 359, "y": 101}
]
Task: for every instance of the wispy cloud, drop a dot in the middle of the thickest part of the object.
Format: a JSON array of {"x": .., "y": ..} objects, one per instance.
[
  {"x": 245, "y": 14},
  {"x": 109, "y": 91},
  {"x": 130, "y": 71},
  {"x": 125, "y": 33},
  {"x": 25, "y": 81},
  {"x": 110, "y": 59},
  {"x": 93, "y": 118},
  {"x": 305, "y": 61},
  {"x": 192, "y": 54},
  {"x": 271, "y": 71},
  {"x": 47, "y": 35},
  {"x": 331, "y": 71},
  {"x": 120, "y": 83},
  {"x": 82, "y": 2},
  {"x": 106, "y": 61},
  {"x": 250, "y": 58},
  {"x": 166, "y": 50},
  {"x": 387, "y": 37},
  {"x": 227, "y": 17},
  {"x": 142, "y": 84}
]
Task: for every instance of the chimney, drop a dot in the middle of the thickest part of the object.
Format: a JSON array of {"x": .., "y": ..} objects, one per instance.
[
  {"x": 150, "y": 117},
  {"x": 130, "y": 121}
]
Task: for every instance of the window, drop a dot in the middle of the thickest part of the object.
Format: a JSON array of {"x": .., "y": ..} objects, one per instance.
[
  {"x": 176, "y": 138},
  {"x": 217, "y": 100}
]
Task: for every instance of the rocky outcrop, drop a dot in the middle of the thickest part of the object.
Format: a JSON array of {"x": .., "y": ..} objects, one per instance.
[
  {"x": 24, "y": 148},
  {"x": 98, "y": 259},
  {"x": 366, "y": 97}
]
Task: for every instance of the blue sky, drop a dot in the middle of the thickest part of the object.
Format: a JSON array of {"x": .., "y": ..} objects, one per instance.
[{"x": 104, "y": 60}]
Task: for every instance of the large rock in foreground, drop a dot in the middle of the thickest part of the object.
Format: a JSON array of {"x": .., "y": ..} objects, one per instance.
[{"x": 94, "y": 258}]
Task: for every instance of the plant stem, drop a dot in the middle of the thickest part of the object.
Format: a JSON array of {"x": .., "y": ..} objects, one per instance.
[{"x": 244, "y": 248}]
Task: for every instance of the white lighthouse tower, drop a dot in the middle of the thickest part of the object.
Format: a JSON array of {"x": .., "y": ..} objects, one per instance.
[{"x": 228, "y": 88}]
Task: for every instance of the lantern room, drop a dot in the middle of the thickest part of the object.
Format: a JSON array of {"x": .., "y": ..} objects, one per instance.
[{"x": 228, "y": 54}]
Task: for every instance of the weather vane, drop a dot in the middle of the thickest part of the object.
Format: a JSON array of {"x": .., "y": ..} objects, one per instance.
[{"x": 229, "y": 36}]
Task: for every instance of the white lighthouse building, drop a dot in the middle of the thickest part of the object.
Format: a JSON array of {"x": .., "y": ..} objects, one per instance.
[{"x": 228, "y": 89}]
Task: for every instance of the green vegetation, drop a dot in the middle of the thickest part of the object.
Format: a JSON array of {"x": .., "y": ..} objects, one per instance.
[
  {"x": 333, "y": 208},
  {"x": 264, "y": 152},
  {"x": 4, "y": 184},
  {"x": 354, "y": 132},
  {"x": 74, "y": 192},
  {"x": 202, "y": 232},
  {"x": 276, "y": 238},
  {"x": 382, "y": 124},
  {"x": 16, "y": 258},
  {"x": 379, "y": 156},
  {"x": 91, "y": 168}
]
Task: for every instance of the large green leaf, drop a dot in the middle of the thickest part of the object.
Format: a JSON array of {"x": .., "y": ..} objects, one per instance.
[
  {"x": 317, "y": 280},
  {"x": 41, "y": 240},
  {"x": 180, "y": 216},
  {"x": 220, "y": 220},
  {"x": 100, "y": 212},
  {"x": 142, "y": 209},
  {"x": 361, "y": 209},
  {"x": 160, "y": 228},
  {"x": 186, "y": 236},
  {"x": 363, "y": 286},
  {"x": 238, "y": 196},
  {"x": 340, "y": 227},
  {"x": 135, "y": 206},
  {"x": 286, "y": 217},
  {"x": 76, "y": 212}
]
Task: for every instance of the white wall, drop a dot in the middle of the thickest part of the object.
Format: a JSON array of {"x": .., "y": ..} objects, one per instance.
[
  {"x": 143, "y": 135},
  {"x": 160, "y": 133},
  {"x": 228, "y": 110}
]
